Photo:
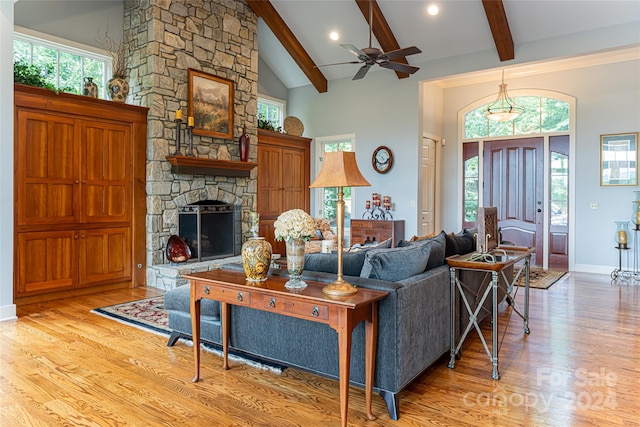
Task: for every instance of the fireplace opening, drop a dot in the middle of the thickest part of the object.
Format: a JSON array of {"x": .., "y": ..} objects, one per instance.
[{"x": 211, "y": 228}]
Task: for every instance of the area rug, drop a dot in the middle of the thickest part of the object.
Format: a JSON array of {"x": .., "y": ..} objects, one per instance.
[
  {"x": 149, "y": 315},
  {"x": 541, "y": 279}
]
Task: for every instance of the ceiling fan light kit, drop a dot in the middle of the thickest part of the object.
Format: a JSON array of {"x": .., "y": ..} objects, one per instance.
[{"x": 503, "y": 108}]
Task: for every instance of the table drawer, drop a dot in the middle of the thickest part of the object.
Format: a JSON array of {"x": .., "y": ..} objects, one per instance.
[
  {"x": 301, "y": 309},
  {"x": 224, "y": 295}
]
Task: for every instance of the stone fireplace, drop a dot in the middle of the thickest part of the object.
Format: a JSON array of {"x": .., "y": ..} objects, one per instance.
[{"x": 163, "y": 40}]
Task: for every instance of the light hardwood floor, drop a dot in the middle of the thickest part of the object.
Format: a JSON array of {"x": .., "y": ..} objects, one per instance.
[{"x": 62, "y": 365}]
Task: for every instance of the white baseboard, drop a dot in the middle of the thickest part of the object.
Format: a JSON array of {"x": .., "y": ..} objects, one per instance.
[
  {"x": 594, "y": 269},
  {"x": 7, "y": 312}
]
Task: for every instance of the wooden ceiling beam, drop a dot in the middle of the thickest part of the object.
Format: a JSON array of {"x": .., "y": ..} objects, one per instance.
[
  {"x": 497, "y": 17},
  {"x": 382, "y": 31},
  {"x": 265, "y": 10}
]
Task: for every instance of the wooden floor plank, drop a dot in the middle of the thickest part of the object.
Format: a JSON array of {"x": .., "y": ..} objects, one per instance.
[{"x": 60, "y": 364}]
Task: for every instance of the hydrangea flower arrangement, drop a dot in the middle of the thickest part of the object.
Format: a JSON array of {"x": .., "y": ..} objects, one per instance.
[{"x": 294, "y": 224}]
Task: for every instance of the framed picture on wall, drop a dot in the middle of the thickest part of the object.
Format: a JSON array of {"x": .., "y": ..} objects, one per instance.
[
  {"x": 210, "y": 104},
  {"x": 619, "y": 159}
]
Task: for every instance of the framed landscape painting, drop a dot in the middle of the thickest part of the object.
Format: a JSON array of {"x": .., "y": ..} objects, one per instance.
[
  {"x": 619, "y": 159},
  {"x": 210, "y": 104}
]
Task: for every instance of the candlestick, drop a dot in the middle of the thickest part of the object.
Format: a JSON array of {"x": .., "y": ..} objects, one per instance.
[
  {"x": 178, "y": 114},
  {"x": 178, "y": 134},
  {"x": 190, "y": 121},
  {"x": 190, "y": 133},
  {"x": 368, "y": 204}
]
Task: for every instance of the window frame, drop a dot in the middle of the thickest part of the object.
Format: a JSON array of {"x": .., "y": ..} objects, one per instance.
[
  {"x": 281, "y": 104},
  {"x": 66, "y": 46}
]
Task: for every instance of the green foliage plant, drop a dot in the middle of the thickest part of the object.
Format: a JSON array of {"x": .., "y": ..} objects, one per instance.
[
  {"x": 263, "y": 123},
  {"x": 31, "y": 75}
]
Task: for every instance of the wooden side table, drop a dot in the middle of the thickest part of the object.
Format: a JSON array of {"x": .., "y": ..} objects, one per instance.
[{"x": 341, "y": 314}]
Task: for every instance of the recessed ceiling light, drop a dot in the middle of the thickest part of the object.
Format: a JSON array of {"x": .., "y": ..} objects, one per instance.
[
  {"x": 432, "y": 10},
  {"x": 334, "y": 35}
]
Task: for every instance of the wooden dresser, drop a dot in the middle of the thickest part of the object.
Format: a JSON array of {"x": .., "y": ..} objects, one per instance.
[
  {"x": 366, "y": 229},
  {"x": 79, "y": 194}
]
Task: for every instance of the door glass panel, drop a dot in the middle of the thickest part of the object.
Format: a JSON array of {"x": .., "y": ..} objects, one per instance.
[{"x": 559, "y": 188}]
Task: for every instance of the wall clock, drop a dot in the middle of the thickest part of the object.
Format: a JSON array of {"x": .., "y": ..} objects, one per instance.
[{"x": 382, "y": 159}]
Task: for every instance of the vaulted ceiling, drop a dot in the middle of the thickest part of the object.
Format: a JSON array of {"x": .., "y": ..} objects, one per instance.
[{"x": 294, "y": 34}]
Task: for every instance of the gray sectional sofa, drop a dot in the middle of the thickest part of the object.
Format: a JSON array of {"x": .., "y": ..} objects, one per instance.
[{"x": 413, "y": 321}]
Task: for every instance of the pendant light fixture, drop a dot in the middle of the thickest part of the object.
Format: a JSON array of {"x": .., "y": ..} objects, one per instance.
[{"x": 503, "y": 108}]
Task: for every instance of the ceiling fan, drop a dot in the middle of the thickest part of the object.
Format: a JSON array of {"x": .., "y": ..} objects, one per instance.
[{"x": 369, "y": 56}]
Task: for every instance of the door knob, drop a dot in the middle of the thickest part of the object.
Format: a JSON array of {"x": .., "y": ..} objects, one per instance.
[{"x": 539, "y": 210}]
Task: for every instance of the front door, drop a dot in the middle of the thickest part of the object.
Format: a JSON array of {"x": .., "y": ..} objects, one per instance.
[{"x": 513, "y": 182}]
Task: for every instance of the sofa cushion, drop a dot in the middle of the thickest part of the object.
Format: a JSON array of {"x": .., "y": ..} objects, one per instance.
[
  {"x": 438, "y": 248},
  {"x": 395, "y": 264},
  {"x": 328, "y": 263},
  {"x": 458, "y": 244}
]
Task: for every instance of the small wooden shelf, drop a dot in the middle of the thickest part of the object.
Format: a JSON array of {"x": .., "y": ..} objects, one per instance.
[{"x": 203, "y": 166}]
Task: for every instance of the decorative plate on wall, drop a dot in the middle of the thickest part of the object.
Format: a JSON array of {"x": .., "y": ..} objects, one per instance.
[{"x": 293, "y": 126}]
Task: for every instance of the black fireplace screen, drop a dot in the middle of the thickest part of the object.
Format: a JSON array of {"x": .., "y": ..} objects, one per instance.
[{"x": 212, "y": 229}]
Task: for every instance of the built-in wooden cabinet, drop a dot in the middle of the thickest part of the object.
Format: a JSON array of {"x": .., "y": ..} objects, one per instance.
[
  {"x": 365, "y": 231},
  {"x": 79, "y": 194},
  {"x": 283, "y": 179}
]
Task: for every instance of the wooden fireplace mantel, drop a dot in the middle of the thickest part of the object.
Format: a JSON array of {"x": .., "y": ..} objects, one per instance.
[{"x": 203, "y": 166}]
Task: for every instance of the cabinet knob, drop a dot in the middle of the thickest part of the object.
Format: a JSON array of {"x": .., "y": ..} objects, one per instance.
[
  {"x": 76, "y": 181},
  {"x": 315, "y": 312},
  {"x": 272, "y": 303},
  {"x": 239, "y": 297},
  {"x": 206, "y": 290}
]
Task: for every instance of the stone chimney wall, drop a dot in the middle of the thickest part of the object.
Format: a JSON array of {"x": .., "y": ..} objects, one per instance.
[{"x": 164, "y": 38}]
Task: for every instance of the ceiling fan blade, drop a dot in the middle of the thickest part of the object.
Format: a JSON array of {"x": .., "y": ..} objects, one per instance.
[
  {"x": 403, "y": 68},
  {"x": 401, "y": 53},
  {"x": 361, "y": 72},
  {"x": 339, "y": 63},
  {"x": 354, "y": 50}
]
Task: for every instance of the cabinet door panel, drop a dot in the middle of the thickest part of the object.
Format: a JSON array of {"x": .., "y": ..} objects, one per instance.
[
  {"x": 292, "y": 169},
  {"x": 270, "y": 178},
  {"x": 105, "y": 254},
  {"x": 46, "y": 170},
  {"x": 47, "y": 261},
  {"x": 106, "y": 172}
]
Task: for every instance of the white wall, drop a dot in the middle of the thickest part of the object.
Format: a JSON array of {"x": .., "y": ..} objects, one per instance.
[
  {"x": 7, "y": 308},
  {"x": 269, "y": 84},
  {"x": 80, "y": 21},
  {"x": 379, "y": 110}
]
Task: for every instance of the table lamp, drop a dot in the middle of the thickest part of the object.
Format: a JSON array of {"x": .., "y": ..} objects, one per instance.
[{"x": 340, "y": 169}]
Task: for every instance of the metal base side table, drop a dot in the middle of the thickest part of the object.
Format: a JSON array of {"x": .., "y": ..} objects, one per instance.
[{"x": 491, "y": 263}]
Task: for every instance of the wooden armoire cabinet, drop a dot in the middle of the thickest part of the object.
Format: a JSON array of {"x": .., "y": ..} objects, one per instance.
[
  {"x": 80, "y": 200},
  {"x": 283, "y": 179}
]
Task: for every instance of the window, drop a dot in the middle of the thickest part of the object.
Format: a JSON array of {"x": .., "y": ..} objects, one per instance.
[
  {"x": 559, "y": 188},
  {"x": 65, "y": 66},
  {"x": 271, "y": 110},
  {"x": 470, "y": 184},
  {"x": 540, "y": 115},
  {"x": 327, "y": 197}
]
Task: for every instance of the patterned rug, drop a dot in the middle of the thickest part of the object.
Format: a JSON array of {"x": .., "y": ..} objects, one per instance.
[
  {"x": 149, "y": 315},
  {"x": 541, "y": 279}
]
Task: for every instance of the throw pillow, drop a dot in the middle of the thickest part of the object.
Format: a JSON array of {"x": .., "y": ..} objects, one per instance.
[
  {"x": 328, "y": 263},
  {"x": 395, "y": 264},
  {"x": 458, "y": 244},
  {"x": 438, "y": 248},
  {"x": 385, "y": 244}
]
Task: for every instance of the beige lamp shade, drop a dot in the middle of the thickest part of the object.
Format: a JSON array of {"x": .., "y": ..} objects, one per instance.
[{"x": 339, "y": 169}]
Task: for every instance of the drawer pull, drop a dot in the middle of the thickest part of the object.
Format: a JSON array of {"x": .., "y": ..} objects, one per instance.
[
  {"x": 272, "y": 303},
  {"x": 206, "y": 290},
  {"x": 239, "y": 297},
  {"x": 315, "y": 312}
]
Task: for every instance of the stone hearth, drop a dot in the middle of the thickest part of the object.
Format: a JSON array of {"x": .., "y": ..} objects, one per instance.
[{"x": 169, "y": 276}]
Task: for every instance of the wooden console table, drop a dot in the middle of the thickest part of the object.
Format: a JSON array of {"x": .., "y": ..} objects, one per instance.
[
  {"x": 368, "y": 230},
  {"x": 341, "y": 314}
]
